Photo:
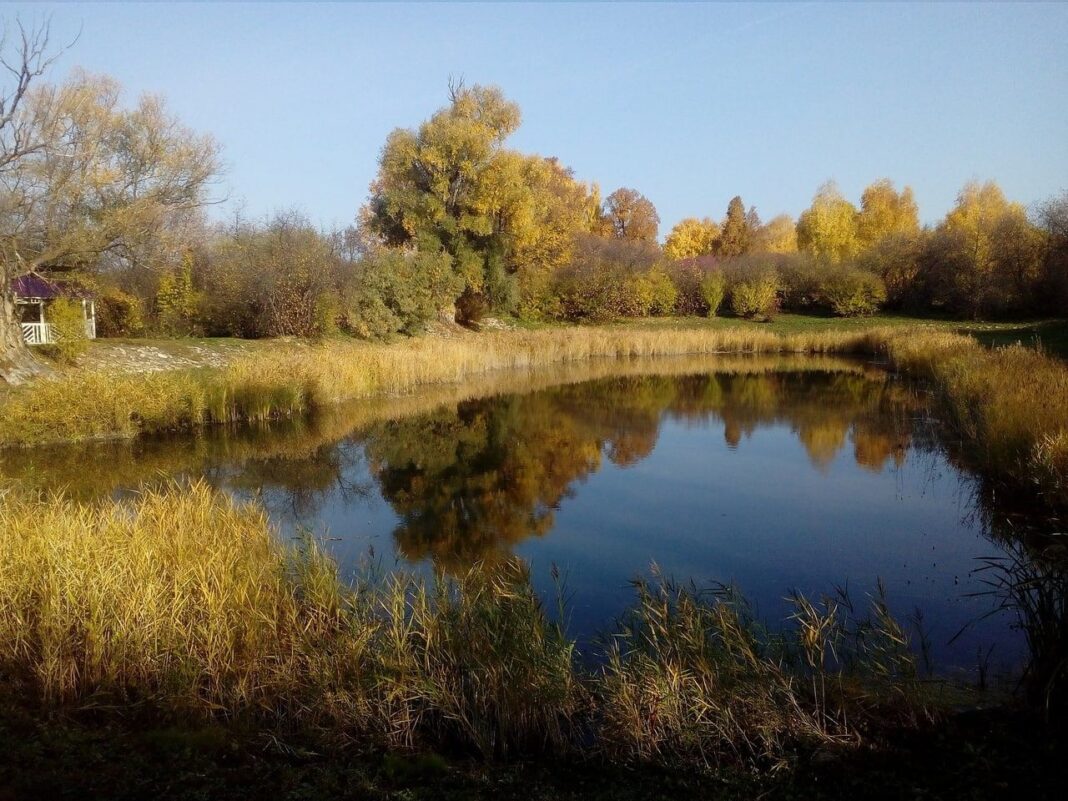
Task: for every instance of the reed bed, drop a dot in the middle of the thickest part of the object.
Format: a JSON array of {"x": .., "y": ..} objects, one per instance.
[
  {"x": 295, "y": 379},
  {"x": 181, "y": 602},
  {"x": 1007, "y": 407}
]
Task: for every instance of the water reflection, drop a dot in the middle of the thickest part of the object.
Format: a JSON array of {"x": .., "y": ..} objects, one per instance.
[{"x": 470, "y": 481}]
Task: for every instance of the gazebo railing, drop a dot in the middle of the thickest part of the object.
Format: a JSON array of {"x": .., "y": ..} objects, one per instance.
[
  {"x": 42, "y": 333},
  {"x": 37, "y": 333}
]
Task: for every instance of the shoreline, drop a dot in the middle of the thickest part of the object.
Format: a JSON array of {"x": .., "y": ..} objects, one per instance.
[{"x": 1009, "y": 406}]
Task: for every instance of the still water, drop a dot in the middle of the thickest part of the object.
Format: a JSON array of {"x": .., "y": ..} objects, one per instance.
[{"x": 771, "y": 476}]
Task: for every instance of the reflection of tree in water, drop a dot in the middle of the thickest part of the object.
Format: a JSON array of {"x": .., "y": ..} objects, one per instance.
[
  {"x": 299, "y": 485},
  {"x": 471, "y": 481}
]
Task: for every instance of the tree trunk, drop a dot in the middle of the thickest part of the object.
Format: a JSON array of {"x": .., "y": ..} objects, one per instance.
[
  {"x": 447, "y": 314},
  {"x": 17, "y": 364}
]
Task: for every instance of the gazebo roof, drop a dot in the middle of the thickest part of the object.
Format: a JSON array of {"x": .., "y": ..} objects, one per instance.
[{"x": 35, "y": 285}]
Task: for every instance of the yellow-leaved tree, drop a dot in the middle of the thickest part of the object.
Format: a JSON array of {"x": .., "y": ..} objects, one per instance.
[
  {"x": 110, "y": 186},
  {"x": 988, "y": 252},
  {"x": 631, "y": 215},
  {"x": 778, "y": 235},
  {"x": 506, "y": 219},
  {"x": 691, "y": 237},
  {"x": 828, "y": 228},
  {"x": 886, "y": 212}
]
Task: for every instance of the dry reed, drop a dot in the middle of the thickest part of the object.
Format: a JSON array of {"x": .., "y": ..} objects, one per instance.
[{"x": 184, "y": 602}]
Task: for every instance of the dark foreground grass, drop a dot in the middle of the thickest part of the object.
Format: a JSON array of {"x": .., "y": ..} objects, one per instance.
[{"x": 88, "y": 756}]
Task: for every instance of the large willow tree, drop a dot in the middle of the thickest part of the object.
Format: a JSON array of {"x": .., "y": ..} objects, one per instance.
[{"x": 505, "y": 218}]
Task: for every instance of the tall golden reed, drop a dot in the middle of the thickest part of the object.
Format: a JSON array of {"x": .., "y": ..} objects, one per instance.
[{"x": 184, "y": 603}]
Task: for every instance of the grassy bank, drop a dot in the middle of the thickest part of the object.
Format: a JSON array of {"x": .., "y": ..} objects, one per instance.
[
  {"x": 295, "y": 379},
  {"x": 132, "y": 463},
  {"x": 182, "y": 605},
  {"x": 1008, "y": 406}
]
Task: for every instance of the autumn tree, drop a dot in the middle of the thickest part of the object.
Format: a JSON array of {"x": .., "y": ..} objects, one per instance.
[
  {"x": 110, "y": 187},
  {"x": 25, "y": 56},
  {"x": 985, "y": 257},
  {"x": 631, "y": 215},
  {"x": 886, "y": 212},
  {"x": 735, "y": 234},
  {"x": 898, "y": 260},
  {"x": 539, "y": 227},
  {"x": 828, "y": 228},
  {"x": 440, "y": 187},
  {"x": 1053, "y": 219},
  {"x": 690, "y": 238},
  {"x": 113, "y": 183},
  {"x": 778, "y": 235},
  {"x": 504, "y": 218}
]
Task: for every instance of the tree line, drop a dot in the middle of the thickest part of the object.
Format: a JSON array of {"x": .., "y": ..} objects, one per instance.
[{"x": 457, "y": 226}]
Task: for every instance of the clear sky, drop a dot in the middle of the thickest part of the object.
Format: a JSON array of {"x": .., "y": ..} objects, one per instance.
[{"x": 690, "y": 104}]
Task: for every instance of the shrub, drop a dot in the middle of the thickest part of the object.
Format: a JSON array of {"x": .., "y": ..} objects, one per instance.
[
  {"x": 68, "y": 328},
  {"x": 662, "y": 292},
  {"x": 176, "y": 300},
  {"x": 800, "y": 282},
  {"x": 644, "y": 294},
  {"x": 401, "y": 291},
  {"x": 611, "y": 278},
  {"x": 119, "y": 314},
  {"x": 755, "y": 295},
  {"x": 265, "y": 281},
  {"x": 327, "y": 314},
  {"x": 850, "y": 292},
  {"x": 713, "y": 290},
  {"x": 686, "y": 275}
]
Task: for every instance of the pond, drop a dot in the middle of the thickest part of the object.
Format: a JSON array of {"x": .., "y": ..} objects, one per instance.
[{"x": 771, "y": 474}]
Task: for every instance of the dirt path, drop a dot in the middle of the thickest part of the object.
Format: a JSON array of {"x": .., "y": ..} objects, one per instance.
[{"x": 127, "y": 356}]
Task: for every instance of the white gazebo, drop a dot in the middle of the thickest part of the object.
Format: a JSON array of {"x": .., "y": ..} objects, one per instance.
[{"x": 34, "y": 294}]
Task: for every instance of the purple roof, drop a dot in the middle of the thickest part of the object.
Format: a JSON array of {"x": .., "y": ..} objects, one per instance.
[{"x": 33, "y": 285}]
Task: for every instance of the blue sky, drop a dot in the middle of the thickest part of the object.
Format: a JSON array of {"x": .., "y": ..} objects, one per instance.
[{"x": 690, "y": 104}]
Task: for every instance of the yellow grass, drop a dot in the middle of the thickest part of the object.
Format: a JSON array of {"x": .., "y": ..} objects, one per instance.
[
  {"x": 294, "y": 379},
  {"x": 1007, "y": 406}
]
